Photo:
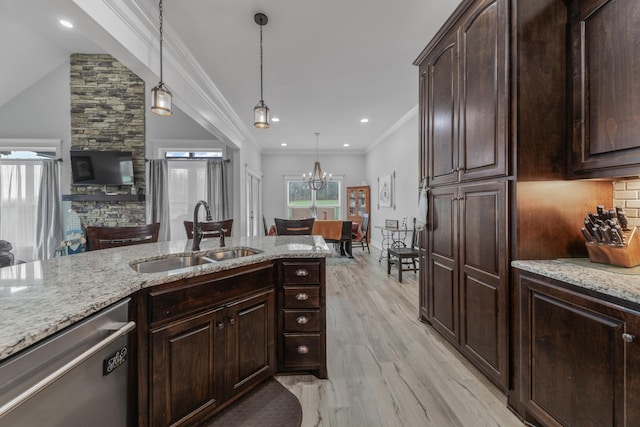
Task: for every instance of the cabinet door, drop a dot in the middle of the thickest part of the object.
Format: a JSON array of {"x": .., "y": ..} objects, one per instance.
[
  {"x": 442, "y": 133},
  {"x": 443, "y": 261},
  {"x": 605, "y": 51},
  {"x": 577, "y": 370},
  {"x": 484, "y": 85},
  {"x": 187, "y": 368},
  {"x": 250, "y": 341},
  {"x": 483, "y": 277},
  {"x": 423, "y": 113}
]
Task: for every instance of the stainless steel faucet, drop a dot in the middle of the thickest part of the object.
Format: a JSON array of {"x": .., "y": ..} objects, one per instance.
[{"x": 197, "y": 227}]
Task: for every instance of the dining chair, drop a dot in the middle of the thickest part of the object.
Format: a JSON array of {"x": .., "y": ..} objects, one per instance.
[
  {"x": 111, "y": 237},
  {"x": 362, "y": 241},
  {"x": 210, "y": 228},
  {"x": 286, "y": 227},
  {"x": 404, "y": 257}
]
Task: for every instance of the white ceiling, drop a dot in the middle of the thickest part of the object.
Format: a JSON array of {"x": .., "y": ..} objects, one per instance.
[{"x": 327, "y": 64}]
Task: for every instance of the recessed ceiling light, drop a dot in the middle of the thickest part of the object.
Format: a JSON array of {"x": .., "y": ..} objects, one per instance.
[
  {"x": 65, "y": 23},
  {"x": 345, "y": 145},
  {"x": 275, "y": 119},
  {"x": 284, "y": 144},
  {"x": 365, "y": 120}
]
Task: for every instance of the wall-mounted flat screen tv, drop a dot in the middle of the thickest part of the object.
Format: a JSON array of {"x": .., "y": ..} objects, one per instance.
[{"x": 102, "y": 167}]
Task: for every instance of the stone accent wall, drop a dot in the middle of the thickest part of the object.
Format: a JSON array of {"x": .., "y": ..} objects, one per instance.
[
  {"x": 626, "y": 194},
  {"x": 108, "y": 113}
]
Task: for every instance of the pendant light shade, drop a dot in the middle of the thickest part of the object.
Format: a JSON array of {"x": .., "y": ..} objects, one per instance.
[
  {"x": 160, "y": 95},
  {"x": 261, "y": 111},
  {"x": 317, "y": 179}
]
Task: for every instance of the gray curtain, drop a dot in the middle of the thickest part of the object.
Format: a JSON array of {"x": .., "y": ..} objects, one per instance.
[
  {"x": 217, "y": 189},
  {"x": 158, "y": 197},
  {"x": 49, "y": 222}
]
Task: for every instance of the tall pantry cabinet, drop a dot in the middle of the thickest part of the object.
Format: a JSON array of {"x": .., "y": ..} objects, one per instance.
[{"x": 492, "y": 114}]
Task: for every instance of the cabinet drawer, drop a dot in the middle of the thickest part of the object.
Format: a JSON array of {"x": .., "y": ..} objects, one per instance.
[
  {"x": 302, "y": 350},
  {"x": 302, "y": 297},
  {"x": 301, "y": 273},
  {"x": 301, "y": 320}
]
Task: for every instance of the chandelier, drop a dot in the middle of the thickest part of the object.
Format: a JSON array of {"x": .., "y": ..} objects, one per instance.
[
  {"x": 317, "y": 179},
  {"x": 261, "y": 111},
  {"x": 160, "y": 95}
]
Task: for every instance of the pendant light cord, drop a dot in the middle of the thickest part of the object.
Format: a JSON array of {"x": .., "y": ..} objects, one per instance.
[
  {"x": 317, "y": 133},
  {"x": 160, "y": 42},
  {"x": 261, "y": 97}
]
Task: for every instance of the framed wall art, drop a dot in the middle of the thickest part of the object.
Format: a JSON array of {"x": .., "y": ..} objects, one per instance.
[{"x": 386, "y": 190}]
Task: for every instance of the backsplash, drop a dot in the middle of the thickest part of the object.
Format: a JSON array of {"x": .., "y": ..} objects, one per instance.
[{"x": 626, "y": 194}]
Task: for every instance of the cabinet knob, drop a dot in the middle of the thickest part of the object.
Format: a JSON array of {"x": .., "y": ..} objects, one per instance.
[
  {"x": 220, "y": 324},
  {"x": 628, "y": 337},
  {"x": 302, "y": 272},
  {"x": 232, "y": 320},
  {"x": 302, "y": 320},
  {"x": 302, "y": 296},
  {"x": 302, "y": 349}
]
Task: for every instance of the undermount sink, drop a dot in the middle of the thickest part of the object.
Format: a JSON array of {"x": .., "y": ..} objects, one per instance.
[
  {"x": 173, "y": 263},
  {"x": 225, "y": 254},
  {"x": 189, "y": 260}
]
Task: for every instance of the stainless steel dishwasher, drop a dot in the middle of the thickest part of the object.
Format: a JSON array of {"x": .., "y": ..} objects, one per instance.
[{"x": 78, "y": 377}]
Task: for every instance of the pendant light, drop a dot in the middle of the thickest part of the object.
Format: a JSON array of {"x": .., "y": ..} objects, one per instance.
[
  {"x": 317, "y": 179},
  {"x": 261, "y": 111},
  {"x": 160, "y": 95}
]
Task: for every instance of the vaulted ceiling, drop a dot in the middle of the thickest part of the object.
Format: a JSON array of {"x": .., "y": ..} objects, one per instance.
[{"x": 327, "y": 64}]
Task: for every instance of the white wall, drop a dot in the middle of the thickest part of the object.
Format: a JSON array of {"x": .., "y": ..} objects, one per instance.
[
  {"x": 397, "y": 152},
  {"x": 276, "y": 166},
  {"x": 42, "y": 111}
]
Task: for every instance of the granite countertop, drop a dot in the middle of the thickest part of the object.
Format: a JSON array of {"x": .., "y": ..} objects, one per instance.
[
  {"x": 618, "y": 282},
  {"x": 40, "y": 298}
]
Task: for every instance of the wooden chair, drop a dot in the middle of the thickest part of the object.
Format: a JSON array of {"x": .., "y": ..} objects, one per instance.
[
  {"x": 285, "y": 227},
  {"x": 111, "y": 237},
  {"x": 363, "y": 240},
  {"x": 210, "y": 228},
  {"x": 404, "y": 257}
]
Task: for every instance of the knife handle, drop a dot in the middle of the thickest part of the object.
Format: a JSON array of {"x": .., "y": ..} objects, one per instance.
[
  {"x": 596, "y": 234},
  {"x": 586, "y": 235},
  {"x": 606, "y": 234},
  {"x": 622, "y": 218}
]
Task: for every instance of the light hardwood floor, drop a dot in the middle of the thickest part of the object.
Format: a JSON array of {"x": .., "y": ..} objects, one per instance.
[{"x": 386, "y": 368}]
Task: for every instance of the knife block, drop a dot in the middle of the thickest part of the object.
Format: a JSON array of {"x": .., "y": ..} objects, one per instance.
[{"x": 623, "y": 256}]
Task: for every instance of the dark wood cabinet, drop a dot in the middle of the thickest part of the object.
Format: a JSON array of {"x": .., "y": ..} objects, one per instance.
[
  {"x": 467, "y": 286},
  {"x": 578, "y": 359},
  {"x": 465, "y": 100},
  {"x": 302, "y": 317},
  {"x": 250, "y": 342},
  {"x": 203, "y": 342},
  {"x": 605, "y": 52},
  {"x": 187, "y": 368},
  {"x": 493, "y": 106}
]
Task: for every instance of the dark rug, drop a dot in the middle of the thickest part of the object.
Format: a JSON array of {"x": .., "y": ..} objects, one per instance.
[{"x": 268, "y": 405}]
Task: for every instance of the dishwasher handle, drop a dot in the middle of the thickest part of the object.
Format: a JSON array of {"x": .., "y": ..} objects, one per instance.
[{"x": 63, "y": 370}]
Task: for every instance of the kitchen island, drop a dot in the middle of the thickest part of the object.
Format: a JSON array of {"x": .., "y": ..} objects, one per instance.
[
  {"x": 246, "y": 310},
  {"x": 576, "y": 354}
]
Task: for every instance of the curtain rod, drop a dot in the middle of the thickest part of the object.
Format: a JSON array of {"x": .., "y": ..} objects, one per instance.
[
  {"x": 193, "y": 158},
  {"x": 28, "y": 160}
]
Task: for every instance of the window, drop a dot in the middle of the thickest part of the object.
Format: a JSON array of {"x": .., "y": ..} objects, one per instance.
[
  {"x": 187, "y": 172},
  {"x": 20, "y": 175},
  {"x": 300, "y": 199}
]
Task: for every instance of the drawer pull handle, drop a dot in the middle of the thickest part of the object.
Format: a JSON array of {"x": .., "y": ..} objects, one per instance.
[
  {"x": 302, "y": 349},
  {"x": 628, "y": 337},
  {"x": 220, "y": 325},
  {"x": 302, "y": 272},
  {"x": 302, "y": 296},
  {"x": 302, "y": 320},
  {"x": 232, "y": 320}
]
